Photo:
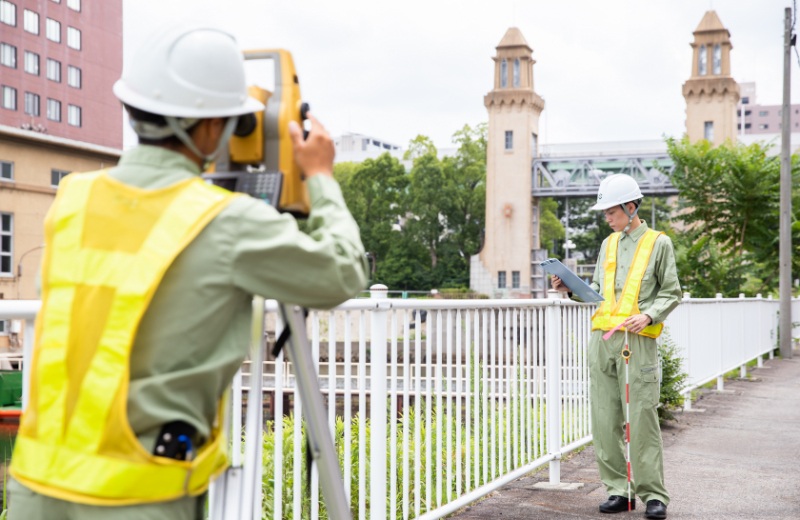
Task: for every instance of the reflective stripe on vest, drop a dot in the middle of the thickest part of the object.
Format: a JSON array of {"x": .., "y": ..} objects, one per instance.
[
  {"x": 108, "y": 246},
  {"x": 612, "y": 312}
]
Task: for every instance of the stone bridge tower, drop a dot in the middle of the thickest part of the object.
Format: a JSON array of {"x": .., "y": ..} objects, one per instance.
[
  {"x": 711, "y": 93},
  {"x": 502, "y": 269}
]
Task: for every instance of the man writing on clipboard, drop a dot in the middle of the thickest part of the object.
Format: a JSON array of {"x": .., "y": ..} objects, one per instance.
[{"x": 637, "y": 277}]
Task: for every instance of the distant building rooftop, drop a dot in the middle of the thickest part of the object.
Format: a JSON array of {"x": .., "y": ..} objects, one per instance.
[{"x": 602, "y": 149}]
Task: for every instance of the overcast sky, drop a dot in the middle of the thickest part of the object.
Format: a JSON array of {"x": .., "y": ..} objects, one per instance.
[{"x": 607, "y": 69}]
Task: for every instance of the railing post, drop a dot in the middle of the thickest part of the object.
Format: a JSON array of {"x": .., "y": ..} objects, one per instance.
[
  {"x": 687, "y": 400},
  {"x": 721, "y": 378},
  {"x": 553, "y": 366},
  {"x": 378, "y": 402},
  {"x": 772, "y": 328},
  {"x": 743, "y": 338},
  {"x": 759, "y": 329},
  {"x": 27, "y": 359}
]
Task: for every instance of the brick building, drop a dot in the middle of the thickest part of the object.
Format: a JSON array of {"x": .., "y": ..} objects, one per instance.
[{"x": 58, "y": 62}]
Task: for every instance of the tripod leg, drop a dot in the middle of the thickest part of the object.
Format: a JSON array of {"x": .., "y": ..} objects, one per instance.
[{"x": 319, "y": 436}]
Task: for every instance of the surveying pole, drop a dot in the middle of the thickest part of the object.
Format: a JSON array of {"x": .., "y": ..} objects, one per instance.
[{"x": 785, "y": 224}]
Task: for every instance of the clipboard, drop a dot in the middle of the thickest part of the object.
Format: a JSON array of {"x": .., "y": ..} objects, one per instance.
[{"x": 577, "y": 286}]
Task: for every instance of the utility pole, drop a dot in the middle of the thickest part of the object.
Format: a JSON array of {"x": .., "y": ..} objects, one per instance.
[{"x": 785, "y": 323}]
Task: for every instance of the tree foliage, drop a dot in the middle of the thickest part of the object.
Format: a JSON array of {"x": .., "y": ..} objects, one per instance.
[
  {"x": 729, "y": 206},
  {"x": 420, "y": 227}
]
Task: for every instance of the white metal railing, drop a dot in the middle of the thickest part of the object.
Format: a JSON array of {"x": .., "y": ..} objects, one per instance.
[
  {"x": 479, "y": 394},
  {"x": 468, "y": 397},
  {"x": 717, "y": 335}
]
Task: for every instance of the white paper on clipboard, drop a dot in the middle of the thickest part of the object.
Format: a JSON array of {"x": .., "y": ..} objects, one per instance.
[{"x": 577, "y": 286}]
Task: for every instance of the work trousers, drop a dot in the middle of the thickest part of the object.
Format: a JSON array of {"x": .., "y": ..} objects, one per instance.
[
  {"x": 607, "y": 372},
  {"x": 25, "y": 504}
]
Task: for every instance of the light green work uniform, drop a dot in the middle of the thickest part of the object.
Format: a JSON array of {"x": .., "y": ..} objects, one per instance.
[
  {"x": 659, "y": 295},
  {"x": 194, "y": 335}
]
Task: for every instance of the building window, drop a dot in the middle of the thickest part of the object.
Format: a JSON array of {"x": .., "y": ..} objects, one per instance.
[
  {"x": 509, "y": 139},
  {"x": 708, "y": 131},
  {"x": 73, "y": 76},
  {"x": 8, "y": 13},
  {"x": 8, "y": 55},
  {"x": 763, "y": 113},
  {"x": 503, "y": 74},
  {"x": 515, "y": 279},
  {"x": 73, "y": 38},
  {"x": 9, "y": 98},
  {"x": 53, "y": 29},
  {"x": 32, "y": 104},
  {"x": 745, "y": 100},
  {"x": 31, "y": 21},
  {"x": 54, "y": 70},
  {"x": 702, "y": 60},
  {"x": 534, "y": 145},
  {"x": 56, "y": 176},
  {"x": 74, "y": 115},
  {"x": 501, "y": 279},
  {"x": 54, "y": 110},
  {"x": 6, "y": 243},
  {"x": 75, "y": 5},
  {"x": 717, "y": 63},
  {"x": 763, "y": 127},
  {"x": 32, "y": 63},
  {"x": 516, "y": 73},
  {"x": 7, "y": 170}
]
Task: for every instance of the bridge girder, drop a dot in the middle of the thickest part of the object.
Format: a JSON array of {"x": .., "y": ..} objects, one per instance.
[{"x": 580, "y": 176}]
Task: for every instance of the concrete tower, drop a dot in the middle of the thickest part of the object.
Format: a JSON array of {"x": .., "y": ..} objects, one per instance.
[
  {"x": 503, "y": 267},
  {"x": 711, "y": 93}
]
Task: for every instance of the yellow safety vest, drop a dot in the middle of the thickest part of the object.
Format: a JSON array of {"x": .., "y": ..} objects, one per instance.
[
  {"x": 108, "y": 246},
  {"x": 612, "y": 312}
]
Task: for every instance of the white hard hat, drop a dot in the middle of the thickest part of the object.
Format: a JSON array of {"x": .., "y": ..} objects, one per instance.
[
  {"x": 187, "y": 72},
  {"x": 615, "y": 190}
]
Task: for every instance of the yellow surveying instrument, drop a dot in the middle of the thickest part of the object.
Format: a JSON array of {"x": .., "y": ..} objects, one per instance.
[{"x": 260, "y": 162}]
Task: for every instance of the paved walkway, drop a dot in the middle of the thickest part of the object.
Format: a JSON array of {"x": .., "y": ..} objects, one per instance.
[{"x": 738, "y": 459}]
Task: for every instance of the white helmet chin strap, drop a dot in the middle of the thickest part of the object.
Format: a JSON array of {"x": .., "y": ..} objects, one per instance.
[
  {"x": 630, "y": 215},
  {"x": 183, "y": 135}
]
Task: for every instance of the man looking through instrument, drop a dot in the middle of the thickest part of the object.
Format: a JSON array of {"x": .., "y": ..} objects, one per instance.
[{"x": 147, "y": 281}]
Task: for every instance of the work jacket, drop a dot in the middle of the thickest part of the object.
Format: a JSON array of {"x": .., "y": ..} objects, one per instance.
[
  {"x": 108, "y": 246},
  {"x": 611, "y": 312}
]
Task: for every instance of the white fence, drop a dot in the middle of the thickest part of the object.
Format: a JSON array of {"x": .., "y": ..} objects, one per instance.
[{"x": 478, "y": 394}]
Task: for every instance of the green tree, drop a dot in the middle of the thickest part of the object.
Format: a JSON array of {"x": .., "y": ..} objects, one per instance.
[
  {"x": 729, "y": 204},
  {"x": 550, "y": 227},
  {"x": 427, "y": 195},
  {"x": 465, "y": 205},
  {"x": 376, "y": 195}
]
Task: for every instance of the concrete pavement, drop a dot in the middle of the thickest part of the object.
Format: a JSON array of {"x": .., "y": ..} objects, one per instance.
[{"x": 737, "y": 459}]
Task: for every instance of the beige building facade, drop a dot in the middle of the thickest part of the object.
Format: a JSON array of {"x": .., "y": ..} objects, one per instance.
[
  {"x": 32, "y": 166},
  {"x": 502, "y": 269},
  {"x": 711, "y": 93}
]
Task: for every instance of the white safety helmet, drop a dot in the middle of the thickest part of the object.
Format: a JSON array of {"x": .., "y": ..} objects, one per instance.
[
  {"x": 187, "y": 73},
  {"x": 617, "y": 190}
]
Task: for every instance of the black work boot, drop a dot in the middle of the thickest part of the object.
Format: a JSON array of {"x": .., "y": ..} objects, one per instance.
[
  {"x": 616, "y": 504},
  {"x": 656, "y": 509}
]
